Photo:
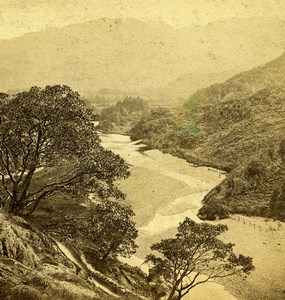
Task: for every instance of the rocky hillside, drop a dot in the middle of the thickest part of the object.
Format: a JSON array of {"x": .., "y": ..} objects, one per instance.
[
  {"x": 132, "y": 55},
  {"x": 255, "y": 187},
  {"x": 248, "y": 133},
  {"x": 232, "y": 130},
  {"x": 33, "y": 265},
  {"x": 237, "y": 126}
]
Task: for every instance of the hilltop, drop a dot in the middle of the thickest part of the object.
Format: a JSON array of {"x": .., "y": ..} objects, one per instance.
[
  {"x": 187, "y": 84},
  {"x": 243, "y": 84},
  {"x": 136, "y": 56}
]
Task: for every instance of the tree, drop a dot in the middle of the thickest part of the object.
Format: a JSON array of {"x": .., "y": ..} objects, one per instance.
[
  {"x": 49, "y": 144},
  {"x": 194, "y": 257},
  {"x": 112, "y": 230},
  {"x": 153, "y": 125},
  {"x": 107, "y": 225},
  {"x": 123, "y": 113}
]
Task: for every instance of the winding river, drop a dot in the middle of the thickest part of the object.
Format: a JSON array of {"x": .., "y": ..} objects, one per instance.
[{"x": 162, "y": 191}]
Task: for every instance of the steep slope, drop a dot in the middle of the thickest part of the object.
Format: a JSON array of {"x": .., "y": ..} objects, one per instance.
[
  {"x": 247, "y": 133},
  {"x": 132, "y": 55},
  {"x": 239, "y": 115},
  {"x": 234, "y": 128},
  {"x": 243, "y": 84},
  {"x": 237, "y": 126},
  {"x": 186, "y": 85},
  {"x": 33, "y": 265}
]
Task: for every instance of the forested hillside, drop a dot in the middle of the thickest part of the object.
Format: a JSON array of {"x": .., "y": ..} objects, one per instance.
[
  {"x": 123, "y": 115},
  {"x": 52, "y": 236},
  {"x": 237, "y": 126}
]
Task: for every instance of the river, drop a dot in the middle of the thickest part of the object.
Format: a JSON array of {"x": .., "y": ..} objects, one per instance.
[{"x": 162, "y": 191}]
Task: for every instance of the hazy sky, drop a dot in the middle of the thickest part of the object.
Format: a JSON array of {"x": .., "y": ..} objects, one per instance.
[{"x": 20, "y": 16}]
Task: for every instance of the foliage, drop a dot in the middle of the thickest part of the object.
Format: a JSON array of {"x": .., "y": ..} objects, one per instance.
[
  {"x": 112, "y": 230},
  {"x": 48, "y": 144},
  {"x": 195, "y": 100},
  {"x": 213, "y": 210},
  {"x": 124, "y": 113},
  {"x": 194, "y": 257},
  {"x": 107, "y": 227},
  {"x": 253, "y": 169},
  {"x": 158, "y": 122},
  {"x": 277, "y": 203}
]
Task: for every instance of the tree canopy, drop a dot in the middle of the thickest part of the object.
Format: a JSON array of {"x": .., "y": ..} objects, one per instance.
[
  {"x": 106, "y": 228},
  {"x": 48, "y": 144},
  {"x": 194, "y": 257},
  {"x": 124, "y": 113},
  {"x": 111, "y": 229}
]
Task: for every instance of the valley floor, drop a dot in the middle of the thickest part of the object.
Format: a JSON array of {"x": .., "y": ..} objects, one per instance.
[{"x": 162, "y": 199}]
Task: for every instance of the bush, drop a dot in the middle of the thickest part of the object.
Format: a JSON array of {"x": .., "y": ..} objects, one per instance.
[
  {"x": 24, "y": 293},
  {"x": 38, "y": 281},
  {"x": 213, "y": 210},
  {"x": 253, "y": 169}
]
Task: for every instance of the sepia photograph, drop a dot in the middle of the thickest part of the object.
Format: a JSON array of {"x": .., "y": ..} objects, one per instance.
[{"x": 142, "y": 149}]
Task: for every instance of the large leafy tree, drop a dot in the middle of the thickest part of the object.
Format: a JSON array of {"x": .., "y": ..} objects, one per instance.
[
  {"x": 48, "y": 144},
  {"x": 194, "y": 257},
  {"x": 106, "y": 228},
  {"x": 111, "y": 229}
]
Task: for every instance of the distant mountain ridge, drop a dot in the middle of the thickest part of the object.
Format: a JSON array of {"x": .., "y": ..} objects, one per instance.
[
  {"x": 187, "y": 84},
  {"x": 132, "y": 55}
]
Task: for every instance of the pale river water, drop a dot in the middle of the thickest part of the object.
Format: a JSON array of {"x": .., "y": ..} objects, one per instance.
[{"x": 165, "y": 175}]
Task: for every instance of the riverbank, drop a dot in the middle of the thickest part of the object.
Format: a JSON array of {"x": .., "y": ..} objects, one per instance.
[
  {"x": 184, "y": 154},
  {"x": 259, "y": 238},
  {"x": 163, "y": 189}
]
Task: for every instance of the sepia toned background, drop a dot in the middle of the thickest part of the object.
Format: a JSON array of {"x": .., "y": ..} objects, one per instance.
[{"x": 225, "y": 57}]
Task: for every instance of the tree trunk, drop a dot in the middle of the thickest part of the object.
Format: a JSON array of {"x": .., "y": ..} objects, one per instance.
[
  {"x": 179, "y": 297},
  {"x": 171, "y": 295},
  {"x": 108, "y": 252},
  {"x": 24, "y": 190}
]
